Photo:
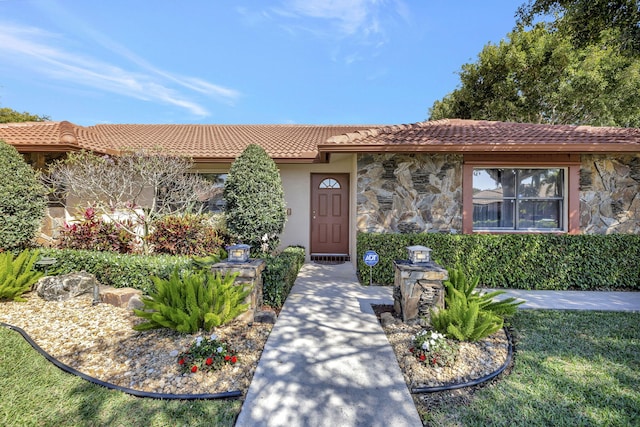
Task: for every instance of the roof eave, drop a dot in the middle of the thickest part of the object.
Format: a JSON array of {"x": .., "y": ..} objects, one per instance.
[{"x": 482, "y": 148}]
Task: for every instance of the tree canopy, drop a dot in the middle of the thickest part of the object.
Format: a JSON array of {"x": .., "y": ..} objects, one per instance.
[
  {"x": 538, "y": 76},
  {"x": 584, "y": 21},
  {"x": 554, "y": 72},
  {"x": 7, "y": 115}
]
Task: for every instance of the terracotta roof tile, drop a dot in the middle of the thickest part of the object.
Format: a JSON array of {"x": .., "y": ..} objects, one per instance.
[
  {"x": 466, "y": 134},
  {"x": 303, "y": 143}
]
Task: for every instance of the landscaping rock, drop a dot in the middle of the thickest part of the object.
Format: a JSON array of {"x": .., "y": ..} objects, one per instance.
[
  {"x": 66, "y": 286},
  {"x": 387, "y": 319},
  {"x": 121, "y": 297},
  {"x": 265, "y": 317}
]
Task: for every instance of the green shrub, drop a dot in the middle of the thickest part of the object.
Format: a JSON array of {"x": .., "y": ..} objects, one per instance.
[
  {"x": 22, "y": 200},
  {"x": 469, "y": 315},
  {"x": 518, "y": 261},
  {"x": 91, "y": 232},
  {"x": 280, "y": 274},
  {"x": 117, "y": 270},
  {"x": 192, "y": 301},
  {"x": 17, "y": 275},
  {"x": 255, "y": 207},
  {"x": 184, "y": 235}
]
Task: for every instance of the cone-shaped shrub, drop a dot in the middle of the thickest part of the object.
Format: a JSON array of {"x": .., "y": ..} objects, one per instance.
[
  {"x": 255, "y": 208},
  {"x": 22, "y": 200}
]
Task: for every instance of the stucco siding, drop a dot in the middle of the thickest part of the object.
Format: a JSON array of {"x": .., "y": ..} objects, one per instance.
[{"x": 296, "y": 182}]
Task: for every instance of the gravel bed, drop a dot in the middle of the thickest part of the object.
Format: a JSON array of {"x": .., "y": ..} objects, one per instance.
[
  {"x": 474, "y": 360},
  {"x": 99, "y": 341}
]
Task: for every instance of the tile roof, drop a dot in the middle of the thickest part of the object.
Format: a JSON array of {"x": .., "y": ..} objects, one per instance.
[
  {"x": 307, "y": 143},
  {"x": 282, "y": 142},
  {"x": 202, "y": 142},
  {"x": 483, "y": 136}
]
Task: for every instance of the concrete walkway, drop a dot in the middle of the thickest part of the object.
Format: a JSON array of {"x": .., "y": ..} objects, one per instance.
[
  {"x": 576, "y": 300},
  {"x": 327, "y": 361}
]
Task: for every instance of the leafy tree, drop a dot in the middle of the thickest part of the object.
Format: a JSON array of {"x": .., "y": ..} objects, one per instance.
[
  {"x": 22, "y": 200},
  {"x": 133, "y": 189},
  {"x": 255, "y": 207},
  {"x": 538, "y": 76},
  {"x": 7, "y": 115},
  {"x": 584, "y": 21}
]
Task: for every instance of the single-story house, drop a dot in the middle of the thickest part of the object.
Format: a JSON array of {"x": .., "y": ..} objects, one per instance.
[{"x": 451, "y": 176}]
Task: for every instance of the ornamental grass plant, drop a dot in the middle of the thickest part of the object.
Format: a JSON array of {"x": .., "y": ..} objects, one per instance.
[{"x": 192, "y": 301}]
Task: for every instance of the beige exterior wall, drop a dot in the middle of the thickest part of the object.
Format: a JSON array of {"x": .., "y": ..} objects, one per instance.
[{"x": 296, "y": 181}]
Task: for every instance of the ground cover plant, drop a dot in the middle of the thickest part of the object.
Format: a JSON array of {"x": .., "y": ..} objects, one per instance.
[
  {"x": 571, "y": 368},
  {"x": 35, "y": 392}
]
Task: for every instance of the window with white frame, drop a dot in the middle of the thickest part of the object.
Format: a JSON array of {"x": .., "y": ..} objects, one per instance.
[{"x": 519, "y": 199}]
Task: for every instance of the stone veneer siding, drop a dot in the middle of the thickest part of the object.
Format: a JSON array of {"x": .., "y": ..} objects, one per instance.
[
  {"x": 409, "y": 193},
  {"x": 610, "y": 194}
]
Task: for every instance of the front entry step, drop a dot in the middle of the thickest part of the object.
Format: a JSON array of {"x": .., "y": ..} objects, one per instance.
[{"x": 330, "y": 259}]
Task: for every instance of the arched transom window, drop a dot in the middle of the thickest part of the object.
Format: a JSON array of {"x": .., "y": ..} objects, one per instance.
[{"x": 329, "y": 183}]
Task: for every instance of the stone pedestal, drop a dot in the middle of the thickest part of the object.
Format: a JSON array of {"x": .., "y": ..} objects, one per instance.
[
  {"x": 417, "y": 289},
  {"x": 249, "y": 272}
]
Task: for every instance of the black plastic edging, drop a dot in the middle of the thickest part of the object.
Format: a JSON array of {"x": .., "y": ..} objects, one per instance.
[
  {"x": 137, "y": 393},
  {"x": 421, "y": 390}
]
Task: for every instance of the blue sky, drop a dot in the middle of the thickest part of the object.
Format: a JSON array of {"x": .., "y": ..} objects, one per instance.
[{"x": 236, "y": 61}]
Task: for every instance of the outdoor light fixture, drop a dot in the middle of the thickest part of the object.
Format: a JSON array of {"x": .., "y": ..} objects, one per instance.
[
  {"x": 419, "y": 254},
  {"x": 238, "y": 253}
]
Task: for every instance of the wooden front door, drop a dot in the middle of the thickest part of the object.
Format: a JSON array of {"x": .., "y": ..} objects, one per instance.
[{"x": 330, "y": 214}]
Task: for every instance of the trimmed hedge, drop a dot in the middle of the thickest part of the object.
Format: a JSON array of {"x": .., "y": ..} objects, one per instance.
[
  {"x": 117, "y": 270},
  {"x": 280, "y": 274},
  {"x": 518, "y": 261}
]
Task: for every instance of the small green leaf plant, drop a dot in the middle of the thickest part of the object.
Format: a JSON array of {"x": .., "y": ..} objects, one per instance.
[
  {"x": 206, "y": 354},
  {"x": 434, "y": 349},
  {"x": 192, "y": 301},
  {"x": 470, "y": 315},
  {"x": 17, "y": 276}
]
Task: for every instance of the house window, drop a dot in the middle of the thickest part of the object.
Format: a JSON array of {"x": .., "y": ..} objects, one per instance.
[
  {"x": 329, "y": 183},
  {"x": 518, "y": 199},
  {"x": 214, "y": 202}
]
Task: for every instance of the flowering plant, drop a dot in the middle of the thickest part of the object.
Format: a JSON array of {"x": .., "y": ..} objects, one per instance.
[
  {"x": 206, "y": 354},
  {"x": 434, "y": 348}
]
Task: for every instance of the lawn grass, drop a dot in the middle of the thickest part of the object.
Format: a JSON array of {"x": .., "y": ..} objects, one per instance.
[
  {"x": 572, "y": 368},
  {"x": 36, "y": 393}
]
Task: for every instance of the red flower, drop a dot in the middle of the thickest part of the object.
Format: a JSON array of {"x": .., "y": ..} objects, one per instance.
[
  {"x": 181, "y": 362},
  {"x": 234, "y": 359},
  {"x": 209, "y": 361},
  {"x": 422, "y": 357},
  {"x": 227, "y": 358},
  {"x": 194, "y": 368}
]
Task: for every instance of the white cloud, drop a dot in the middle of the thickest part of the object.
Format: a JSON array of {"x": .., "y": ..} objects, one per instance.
[
  {"x": 360, "y": 18},
  {"x": 36, "y": 50}
]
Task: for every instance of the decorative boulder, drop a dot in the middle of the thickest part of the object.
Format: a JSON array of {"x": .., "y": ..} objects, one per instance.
[
  {"x": 66, "y": 286},
  {"x": 122, "y": 297}
]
